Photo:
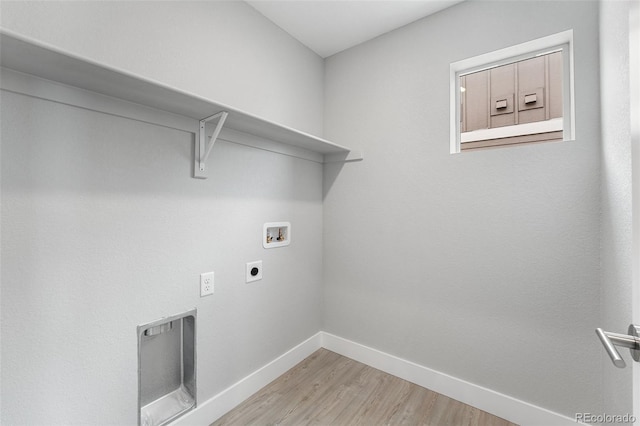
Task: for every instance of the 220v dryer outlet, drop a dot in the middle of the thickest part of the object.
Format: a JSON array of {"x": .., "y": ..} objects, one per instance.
[{"x": 254, "y": 271}]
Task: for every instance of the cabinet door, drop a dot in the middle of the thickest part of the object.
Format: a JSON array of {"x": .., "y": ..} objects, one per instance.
[
  {"x": 531, "y": 90},
  {"x": 475, "y": 101},
  {"x": 503, "y": 84},
  {"x": 554, "y": 105}
]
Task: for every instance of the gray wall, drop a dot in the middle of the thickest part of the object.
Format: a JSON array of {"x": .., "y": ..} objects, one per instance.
[
  {"x": 104, "y": 229},
  {"x": 222, "y": 50},
  {"x": 616, "y": 194},
  {"x": 482, "y": 265}
]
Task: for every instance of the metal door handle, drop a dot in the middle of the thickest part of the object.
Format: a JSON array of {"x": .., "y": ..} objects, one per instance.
[{"x": 611, "y": 340}]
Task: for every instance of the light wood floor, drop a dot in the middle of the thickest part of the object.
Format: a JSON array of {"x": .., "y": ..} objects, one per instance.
[{"x": 329, "y": 389}]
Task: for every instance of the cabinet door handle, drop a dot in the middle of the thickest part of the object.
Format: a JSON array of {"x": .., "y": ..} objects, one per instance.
[
  {"x": 501, "y": 104},
  {"x": 530, "y": 99}
]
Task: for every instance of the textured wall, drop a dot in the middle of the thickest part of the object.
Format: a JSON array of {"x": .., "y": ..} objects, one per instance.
[
  {"x": 616, "y": 195},
  {"x": 482, "y": 265},
  {"x": 222, "y": 50},
  {"x": 104, "y": 229}
]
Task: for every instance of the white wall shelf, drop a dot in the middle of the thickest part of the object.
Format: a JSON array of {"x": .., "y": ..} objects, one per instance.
[{"x": 50, "y": 63}]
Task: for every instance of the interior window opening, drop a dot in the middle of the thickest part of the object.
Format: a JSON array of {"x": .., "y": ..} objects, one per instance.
[{"x": 524, "y": 96}]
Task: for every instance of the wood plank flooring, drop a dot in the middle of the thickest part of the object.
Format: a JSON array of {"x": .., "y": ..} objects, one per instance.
[{"x": 329, "y": 389}]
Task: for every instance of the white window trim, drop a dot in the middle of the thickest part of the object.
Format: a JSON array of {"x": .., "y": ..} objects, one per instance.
[
  {"x": 562, "y": 40},
  {"x": 553, "y": 125}
]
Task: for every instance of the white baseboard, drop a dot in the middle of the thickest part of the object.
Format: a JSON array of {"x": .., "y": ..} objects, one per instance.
[
  {"x": 493, "y": 402},
  {"x": 214, "y": 408}
]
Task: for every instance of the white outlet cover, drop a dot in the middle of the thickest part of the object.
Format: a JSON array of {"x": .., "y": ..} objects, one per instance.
[
  {"x": 250, "y": 266},
  {"x": 206, "y": 283}
]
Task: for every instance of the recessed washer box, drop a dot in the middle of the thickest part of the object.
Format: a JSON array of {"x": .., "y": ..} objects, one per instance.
[
  {"x": 276, "y": 234},
  {"x": 166, "y": 369}
]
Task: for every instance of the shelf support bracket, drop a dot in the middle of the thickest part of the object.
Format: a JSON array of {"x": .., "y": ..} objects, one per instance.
[{"x": 203, "y": 149}]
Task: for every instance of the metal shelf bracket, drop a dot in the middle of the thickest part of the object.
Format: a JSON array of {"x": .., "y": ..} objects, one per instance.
[{"x": 203, "y": 149}]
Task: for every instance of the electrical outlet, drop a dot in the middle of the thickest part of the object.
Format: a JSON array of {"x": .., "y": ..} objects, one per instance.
[
  {"x": 254, "y": 271},
  {"x": 206, "y": 284}
]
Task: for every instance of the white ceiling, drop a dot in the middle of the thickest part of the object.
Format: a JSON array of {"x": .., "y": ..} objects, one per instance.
[{"x": 331, "y": 26}]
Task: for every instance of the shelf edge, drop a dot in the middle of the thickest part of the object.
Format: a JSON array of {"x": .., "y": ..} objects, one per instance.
[{"x": 26, "y": 55}]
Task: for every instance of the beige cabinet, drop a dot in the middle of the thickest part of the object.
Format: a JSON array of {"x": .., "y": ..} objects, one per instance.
[{"x": 519, "y": 102}]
